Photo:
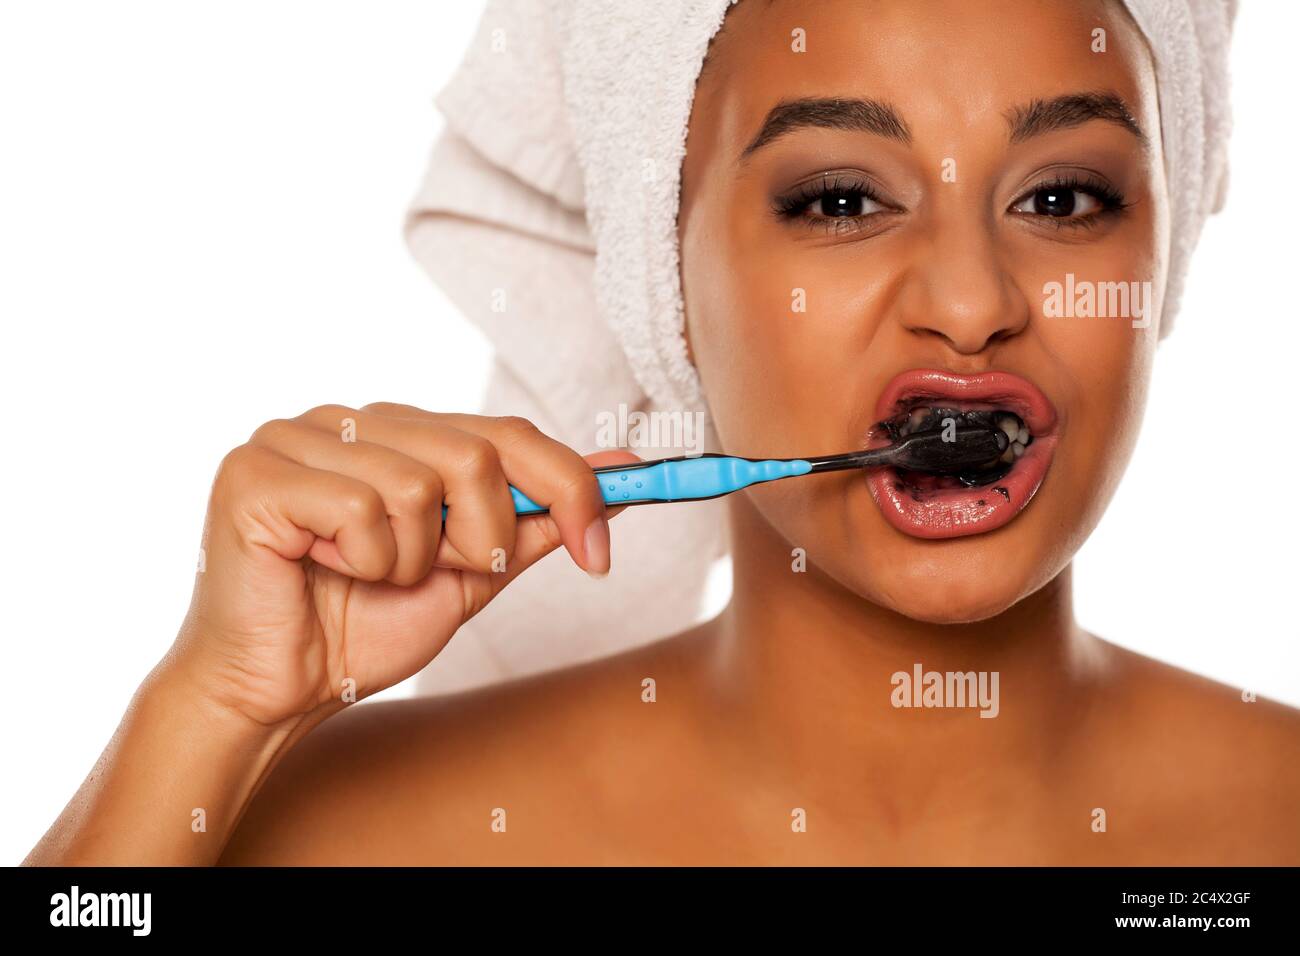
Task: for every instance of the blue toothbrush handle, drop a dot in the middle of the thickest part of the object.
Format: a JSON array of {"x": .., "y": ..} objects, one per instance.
[{"x": 676, "y": 479}]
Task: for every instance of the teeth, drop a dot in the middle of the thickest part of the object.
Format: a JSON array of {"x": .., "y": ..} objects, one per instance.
[
  {"x": 1017, "y": 437},
  {"x": 914, "y": 421}
]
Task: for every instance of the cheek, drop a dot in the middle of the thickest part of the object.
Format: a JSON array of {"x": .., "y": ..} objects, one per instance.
[
  {"x": 1110, "y": 364},
  {"x": 745, "y": 341},
  {"x": 1104, "y": 362},
  {"x": 778, "y": 338}
]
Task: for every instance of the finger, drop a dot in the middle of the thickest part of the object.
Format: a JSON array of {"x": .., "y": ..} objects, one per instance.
[
  {"x": 297, "y": 512},
  {"x": 547, "y": 471},
  {"x": 412, "y": 491},
  {"x": 539, "y": 535},
  {"x": 479, "y": 529},
  {"x": 554, "y": 475}
]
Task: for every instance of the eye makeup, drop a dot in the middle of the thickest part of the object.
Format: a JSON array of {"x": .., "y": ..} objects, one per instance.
[
  {"x": 836, "y": 201},
  {"x": 842, "y": 201},
  {"x": 1071, "y": 200}
]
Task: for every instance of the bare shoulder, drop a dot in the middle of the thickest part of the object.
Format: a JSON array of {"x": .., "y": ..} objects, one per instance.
[
  {"x": 1214, "y": 767},
  {"x": 524, "y": 772}
]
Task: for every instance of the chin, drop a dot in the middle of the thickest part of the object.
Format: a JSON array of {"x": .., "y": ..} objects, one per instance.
[
  {"x": 966, "y": 605},
  {"x": 955, "y": 585}
]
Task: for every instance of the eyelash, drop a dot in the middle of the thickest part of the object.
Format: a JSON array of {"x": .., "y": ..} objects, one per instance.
[
  {"x": 1111, "y": 200},
  {"x": 793, "y": 205}
]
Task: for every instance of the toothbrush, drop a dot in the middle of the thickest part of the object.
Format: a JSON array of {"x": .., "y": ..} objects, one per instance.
[{"x": 696, "y": 478}]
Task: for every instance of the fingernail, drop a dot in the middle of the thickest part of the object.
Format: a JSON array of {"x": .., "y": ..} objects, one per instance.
[{"x": 596, "y": 542}]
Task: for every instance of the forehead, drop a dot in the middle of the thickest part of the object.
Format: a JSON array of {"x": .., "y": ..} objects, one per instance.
[{"x": 944, "y": 65}]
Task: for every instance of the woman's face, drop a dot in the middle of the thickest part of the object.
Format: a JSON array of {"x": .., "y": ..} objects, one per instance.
[{"x": 879, "y": 190}]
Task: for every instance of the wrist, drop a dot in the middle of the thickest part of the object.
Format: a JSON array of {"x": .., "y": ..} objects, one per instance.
[
  {"x": 174, "y": 780},
  {"x": 216, "y": 757},
  {"x": 180, "y": 689},
  {"x": 213, "y": 668}
]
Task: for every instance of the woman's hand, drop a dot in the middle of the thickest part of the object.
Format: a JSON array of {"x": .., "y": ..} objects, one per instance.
[
  {"x": 329, "y": 571},
  {"x": 328, "y": 574}
]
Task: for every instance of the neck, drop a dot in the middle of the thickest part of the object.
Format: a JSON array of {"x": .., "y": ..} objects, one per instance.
[{"x": 813, "y": 676}]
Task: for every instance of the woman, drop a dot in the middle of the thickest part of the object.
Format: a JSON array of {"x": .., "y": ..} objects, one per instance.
[{"x": 917, "y": 185}]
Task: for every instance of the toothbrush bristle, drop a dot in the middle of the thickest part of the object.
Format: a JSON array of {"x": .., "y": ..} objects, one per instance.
[{"x": 942, "y": 452}]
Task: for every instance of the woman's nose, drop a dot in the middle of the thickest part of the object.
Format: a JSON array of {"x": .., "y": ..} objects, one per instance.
[{"x": 960, "y": 291}]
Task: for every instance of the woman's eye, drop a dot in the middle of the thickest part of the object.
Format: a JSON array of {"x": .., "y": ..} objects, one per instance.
[
  {"x": 837, "y": 203},
  {"x": 1059, "y": 203},
  {"x": 849, "y": 204}
]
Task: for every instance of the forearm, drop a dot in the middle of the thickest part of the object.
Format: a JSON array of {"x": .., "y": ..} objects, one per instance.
[{"x": 171, "y": 785}]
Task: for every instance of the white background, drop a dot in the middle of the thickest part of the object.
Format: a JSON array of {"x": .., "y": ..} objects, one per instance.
[{"x": 200, "y": 229}]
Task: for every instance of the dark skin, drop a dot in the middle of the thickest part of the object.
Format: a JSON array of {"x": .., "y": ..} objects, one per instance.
[
  {"x": 1187, "y": 774},
  {"x": 783, "y": 703}
]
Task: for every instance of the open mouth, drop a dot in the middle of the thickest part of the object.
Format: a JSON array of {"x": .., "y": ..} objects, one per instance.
[{"x": 965, "y": 499}]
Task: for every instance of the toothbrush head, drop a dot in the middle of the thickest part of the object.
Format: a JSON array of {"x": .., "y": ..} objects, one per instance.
[{"x": 949, "y": 451}]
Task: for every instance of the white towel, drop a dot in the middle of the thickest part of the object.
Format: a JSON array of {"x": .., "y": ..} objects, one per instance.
[{"x": 548, "y": 215}]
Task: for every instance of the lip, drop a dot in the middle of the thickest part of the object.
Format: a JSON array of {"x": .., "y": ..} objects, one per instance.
[{"x": 957, "y": 512}]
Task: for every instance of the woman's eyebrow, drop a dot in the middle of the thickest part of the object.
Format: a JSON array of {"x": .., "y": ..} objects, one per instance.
[
  {"x": 860, "y": 115},
  {"x": 1072, "y": 109},
  {"x": 1035, "y": 118}
]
